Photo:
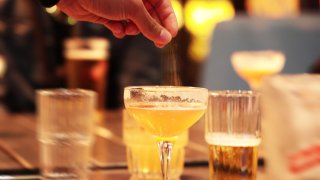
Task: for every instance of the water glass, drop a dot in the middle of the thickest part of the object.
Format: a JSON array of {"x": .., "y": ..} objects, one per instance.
[{"x": 65, "y": 132}]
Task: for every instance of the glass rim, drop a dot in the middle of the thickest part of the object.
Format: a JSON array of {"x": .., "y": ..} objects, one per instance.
[
  {"x": 76, "y": 42},
  {"x": 153, "y": 88},
  {"x": 233, "y": 93},
  {"x": 63, "y": 92}
]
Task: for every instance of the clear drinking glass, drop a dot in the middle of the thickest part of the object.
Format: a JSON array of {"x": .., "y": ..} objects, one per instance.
[
  {"x": 165, "y": 112},
  {"x": 253, "y": 66},
  {"x": 143, "y": 156},
  {"x": 232, "y": 131},
  {"x": 65, "y": 132}
]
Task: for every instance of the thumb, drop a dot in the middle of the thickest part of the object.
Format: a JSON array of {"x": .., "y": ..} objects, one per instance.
[{"x": 150, "y": 28}]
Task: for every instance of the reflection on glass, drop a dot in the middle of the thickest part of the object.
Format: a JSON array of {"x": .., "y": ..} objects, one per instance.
[{"x": 3, "y": 67}]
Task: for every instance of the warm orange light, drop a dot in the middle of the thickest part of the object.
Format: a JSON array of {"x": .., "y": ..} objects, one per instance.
[
  {"x": 178, "y": 10},
  {"x": 201, "y": 16},
  {"x": 273, "y": 8},
  {"x": 3, "y": 66},
  {"x": 52, "y": 9}
]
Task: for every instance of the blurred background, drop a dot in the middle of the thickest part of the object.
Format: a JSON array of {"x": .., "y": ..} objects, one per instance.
[{"x": 33, "y": 46}]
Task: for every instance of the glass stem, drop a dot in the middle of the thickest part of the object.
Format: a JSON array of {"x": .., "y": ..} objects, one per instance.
[{"x": 165, "y": 149}]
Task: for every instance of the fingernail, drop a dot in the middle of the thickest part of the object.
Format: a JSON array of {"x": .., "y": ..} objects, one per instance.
[
  {"x": 119, "y": 36},
  {"x": 159, "y": 45},
  {"x": 165, "y": 37}
]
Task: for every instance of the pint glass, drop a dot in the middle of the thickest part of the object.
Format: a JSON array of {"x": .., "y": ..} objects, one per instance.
[
  {"x": 87, "y": 65},
  {"x": 232, "y": 131}
]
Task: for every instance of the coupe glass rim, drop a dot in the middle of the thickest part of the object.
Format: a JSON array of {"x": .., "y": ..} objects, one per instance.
[{"x": 151, "y": 88}]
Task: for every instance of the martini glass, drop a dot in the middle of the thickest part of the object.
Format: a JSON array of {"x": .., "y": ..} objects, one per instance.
[
  {"x": 253, "y": 66},
  {"x": 165, "y": 112}
]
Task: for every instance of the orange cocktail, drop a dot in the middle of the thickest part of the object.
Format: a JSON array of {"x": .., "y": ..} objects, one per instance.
[
  {"x": 253, "y": 66},
  {"x": 165, "y": 112}
]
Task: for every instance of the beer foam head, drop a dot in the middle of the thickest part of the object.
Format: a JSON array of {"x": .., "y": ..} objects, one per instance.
[
  {"x": 88, "y": 49},
  {"x": 234, "y": 140},
  {"x": 258, "y": 60}
]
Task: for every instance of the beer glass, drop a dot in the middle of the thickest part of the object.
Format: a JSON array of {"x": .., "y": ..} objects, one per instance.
[
  {"x": 232, "y": 130},
  {"x": 87, "y": 65},
  {"x": 65, "y": 132},
  {"x": 143, "y": 156}
]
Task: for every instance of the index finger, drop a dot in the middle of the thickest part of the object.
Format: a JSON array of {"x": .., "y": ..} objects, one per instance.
[{"x": 166, "y": 15}]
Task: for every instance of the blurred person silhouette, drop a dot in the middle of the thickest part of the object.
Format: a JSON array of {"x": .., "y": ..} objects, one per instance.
[
  {"x": 31, "y": 41},
  {"x": 27, "y": 43},
  {"x": 155, "y": 19}
]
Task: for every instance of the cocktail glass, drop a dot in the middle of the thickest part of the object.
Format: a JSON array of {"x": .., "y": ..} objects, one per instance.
[
  {"x": 253, "y": 66},
  {"x": 165, "y": 112},
  {"x": 142, "y": 154}
]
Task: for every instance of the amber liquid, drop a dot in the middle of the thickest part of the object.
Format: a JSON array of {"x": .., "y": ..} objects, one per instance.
[
  {"x": 166, "y": 123},
  {"x": 255, "y": 77},
  {"x": 143, "y": 156},
  {"x": 233, "y": 163},
  {"x": 233, "y": 157},
  {"x": 88, "y": 74}
]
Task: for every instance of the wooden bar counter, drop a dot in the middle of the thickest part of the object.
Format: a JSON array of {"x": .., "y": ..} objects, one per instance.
[{"x": 19, "y": 149}]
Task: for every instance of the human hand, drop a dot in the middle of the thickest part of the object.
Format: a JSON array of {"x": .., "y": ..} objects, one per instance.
[{"x": 155, "y": 19}]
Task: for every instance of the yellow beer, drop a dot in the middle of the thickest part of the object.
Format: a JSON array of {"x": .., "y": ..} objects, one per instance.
[
  {"x": 232, "y": 156},
  {"x": 166, "y": 123}
]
